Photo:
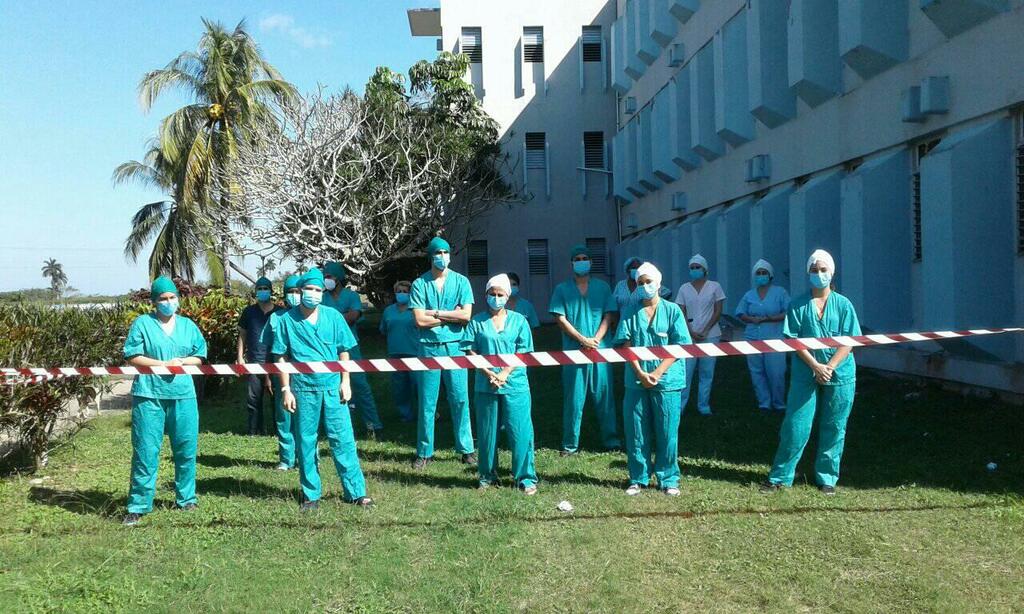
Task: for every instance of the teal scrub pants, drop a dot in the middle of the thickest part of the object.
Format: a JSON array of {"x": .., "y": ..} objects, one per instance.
[
  {"x": 428, "y": 387},
  {"x": 833, "y": 404},
  {"x": 403, "y": 391},
  {"x": 514, "y": 409},
  {"x": 287, "y": 426},
  {"x": 362, "y": 395},
  {"x": 311, "y": 405},
  {"x": 580, "y": 382},
  {"x": 652, "y": 436},
  {"x": 179, "y": 418}
]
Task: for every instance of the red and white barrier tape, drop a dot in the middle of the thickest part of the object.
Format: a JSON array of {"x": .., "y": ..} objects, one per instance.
[{"x": 531, "y": 359}]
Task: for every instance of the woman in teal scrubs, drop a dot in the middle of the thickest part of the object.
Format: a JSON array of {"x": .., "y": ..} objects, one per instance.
[
  {"x": 520, "y": 305},
  {"x": 502, "y": 391},
  {"x": 822, "y": 383},
  {"x": 651, "y": 406},
  {"x": 163, "y": 402},
  {"x": 399, "y": 328}
]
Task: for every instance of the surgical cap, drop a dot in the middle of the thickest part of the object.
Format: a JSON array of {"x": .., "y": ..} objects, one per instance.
[
  {"x": 649, "y": 270},
  {"x": 499, "y": 281},
  {"x": 821, "y": 255},
  {"x": 763, "y": 264},
  {"x": 313, "y": 278},
  {"x": 437, "y": 244},
  {"x": 161, "y": 285},
  {"x": 698, "y": 259},
  {"x": 291, "y": 282}
]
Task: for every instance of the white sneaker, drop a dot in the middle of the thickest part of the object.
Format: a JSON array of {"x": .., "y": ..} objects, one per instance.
[
  {"x": 634, "y": 490},
  {"x": 672, "y": 492}
]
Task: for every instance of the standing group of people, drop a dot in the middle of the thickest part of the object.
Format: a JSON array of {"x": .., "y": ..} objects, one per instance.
[{"x": 432, "y": 316}]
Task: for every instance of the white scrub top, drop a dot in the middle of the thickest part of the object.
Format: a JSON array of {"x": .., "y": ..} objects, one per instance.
[{"x": 701, "y": 306}]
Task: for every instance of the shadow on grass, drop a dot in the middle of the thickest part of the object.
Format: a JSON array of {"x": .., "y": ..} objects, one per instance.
[
  {"x": 243, "y": 487},
  {"x": 424, "y": 478},
  {"x": 219, "y": 460},
  {"x": 84, "y": 502}
]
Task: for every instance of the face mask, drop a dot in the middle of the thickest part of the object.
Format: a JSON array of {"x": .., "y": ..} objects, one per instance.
[
  {"x": 581, "y": 267},
  {"x": 496, "y": 302},
  {"x": 696, "y": 274},
  {"x": 632, "y": 274},
  {"x": 515, "y": 290},
  {"x": 820, "y": 280},
  {"x": 648, "y": 290},
  {"x": 330, "y": 285},
  {"x": 293, "y": 299},
  {"x": 311, "y": 299},
  {"x": 441, "y": 261},
  {"x": 402, "y": 298},
  {"x": 262, "y": 296},
  {"x": 167, "y": 308},
  {"x": 762, "y": 280}
]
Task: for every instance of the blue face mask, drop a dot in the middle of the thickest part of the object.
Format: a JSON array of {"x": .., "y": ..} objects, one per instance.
[
  {"x": 820, "y": 280},
  {"x": 311, "y": 299},
  {"x": 696, "y": 274},
  {"x": 647, "y": 291},
  {"x": 496, "y": 302},
  {"x": 762, "y": 280},
  {"x": 167, "y": 308},
  {"x": 581, "y": 267},
  {"x": 293, "y": 299},
  {"x": 632, "y": 273},
  {"x": 441, "y": 261},
  {"x": 263, "y": 296},
  {"x": 515, "y": 290},
  {"x": 402, "y": 298}
]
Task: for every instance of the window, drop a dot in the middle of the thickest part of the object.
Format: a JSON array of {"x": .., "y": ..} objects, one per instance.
[
  {"x": 533, "y": 44},
  {"x": 598, "y": 251},
  {"x": 536, "y": 150},
  {"x": 477, "y": 258},
  {"x": 593, "y": 150},
  {"x": 537, "y": 256},
  {"x": 920, "y": 151},
  {"x": 591, "y": 43},
  {"x": 472, "y": 45},
  {"x": 1020, "y": 183}
]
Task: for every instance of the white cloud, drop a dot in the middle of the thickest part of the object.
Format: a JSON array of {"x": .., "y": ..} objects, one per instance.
[{"x": 285, "y": 24}]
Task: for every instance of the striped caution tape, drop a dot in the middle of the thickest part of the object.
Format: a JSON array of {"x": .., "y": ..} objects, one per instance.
[{"x": 531, "y": 359}]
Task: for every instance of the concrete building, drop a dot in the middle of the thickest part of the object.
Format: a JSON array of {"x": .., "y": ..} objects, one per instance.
[{"x": 889, "y": 132}]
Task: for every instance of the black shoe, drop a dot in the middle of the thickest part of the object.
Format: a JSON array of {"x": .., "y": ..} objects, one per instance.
[
  {"x": 188, "y": 507},
  {"x": 420, "y": 463},
  {"x": 309, "y": 506},
  {"x": 130, "y": 520},
  {"x": 363, "y": 502},
  {"x": 564, "y": 453},
  {"x": 469, "y": 459},
  {"x": 767, "y": 488},
  {"x": 828, "y": 491}
]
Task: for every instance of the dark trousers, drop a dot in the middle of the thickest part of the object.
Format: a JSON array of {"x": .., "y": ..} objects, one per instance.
[{"x": 254, "y": 404}]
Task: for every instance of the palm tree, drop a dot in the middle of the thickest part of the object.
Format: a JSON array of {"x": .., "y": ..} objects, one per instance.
[
  {"x": 231, "y": 86},
  {"x": 55, "y": 271},
  {"x": 176, "y": 228}
]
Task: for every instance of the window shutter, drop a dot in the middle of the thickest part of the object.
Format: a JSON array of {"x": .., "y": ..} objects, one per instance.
[
  {"x": 591, "y": 43},
  {"x": 533, "y": 44},
  {"x": 537, "y": 256},
  {"x": 597, "y": 248},
  {"x": 593, "y": 150},
  {"x": 536, "y": 153},
  {"x": 477, "y": 258},
  {"x": 472, "y": 45}
]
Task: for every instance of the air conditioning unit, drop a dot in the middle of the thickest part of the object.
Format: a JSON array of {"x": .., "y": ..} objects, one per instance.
[
  {"x": 935, "y": 95},
  {"x": 631, "y": 223},
  {"x": 679, "y": 201},
  {"x": 630, "y": 104},
  {"x": 758, "y": 168},
  {"x": 676, "y": 54},
  {"x": 910, "y": 103}
]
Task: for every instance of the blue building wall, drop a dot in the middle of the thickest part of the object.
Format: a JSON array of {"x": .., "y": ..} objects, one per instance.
[
  {"x": 733, "y": 254},
  {"x": 772, "y": 101},
  {"x": 769, "y": 232},
  {"x": 814, "y": 224}
]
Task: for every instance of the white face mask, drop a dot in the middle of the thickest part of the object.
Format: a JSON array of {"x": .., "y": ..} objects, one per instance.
[{"x": 330, "y": 284}]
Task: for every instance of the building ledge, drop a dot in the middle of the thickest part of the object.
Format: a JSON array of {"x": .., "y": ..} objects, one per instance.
[{"x": 425, "y": 22}]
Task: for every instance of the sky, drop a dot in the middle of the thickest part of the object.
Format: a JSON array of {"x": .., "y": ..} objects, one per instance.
[{"x": 69, "y": 110}]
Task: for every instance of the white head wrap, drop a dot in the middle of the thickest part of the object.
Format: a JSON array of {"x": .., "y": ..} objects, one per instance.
[
  {"x": 763, "y": 264},
  {"x": 500, "y": 281},
  {"x": 821, "y": 255},
  {"x": 698, "y": 259},
  {"x": 651, "y": 271}
]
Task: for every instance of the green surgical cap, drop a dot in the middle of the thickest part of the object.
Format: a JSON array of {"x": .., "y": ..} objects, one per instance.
[
  {"x": 263, "y": 282},
  {"x": 292, "y": 281},
  {"x": 335, "y": 270},
  {"x": 577, "y": 250},
  {"x": 161, "y": 285},
  {"x": 437, "y": 244},
  {"x": 313, "y": 278}
]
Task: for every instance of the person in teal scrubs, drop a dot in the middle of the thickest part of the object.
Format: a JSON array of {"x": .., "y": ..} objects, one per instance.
[
  {"x": 763, "y": 310},
  {"x": 823, "y": 381},
  {"x": 308, "y": 333},
  {"x": 163, "y": 403},
  {"x": 399, "y": 328},
  {"x": 502, "y": 391},
  {"x": 651, "y": 404},
  {"x": 442, "y": 304},
  {"x": 520, "y": 305},
  {"x": 583, "y": 308},
  {"x": 286, "y": 425},
  {"x": 348, "y": 303}
]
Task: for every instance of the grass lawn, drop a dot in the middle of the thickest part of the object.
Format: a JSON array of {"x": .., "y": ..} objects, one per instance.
[{"x": 919, "y": 523}]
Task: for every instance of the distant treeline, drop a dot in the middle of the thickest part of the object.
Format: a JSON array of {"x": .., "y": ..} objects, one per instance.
[{"x": 46, "y": 295}]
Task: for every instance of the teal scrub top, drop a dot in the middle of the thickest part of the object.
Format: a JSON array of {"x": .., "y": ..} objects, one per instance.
[
  {"x": 399, "y": 328},
  {"x": 667, "y": 327},
  {"x": 526, "y": 308},
  {"x": 299, "y": 341},
  {"x": 454, "y": 294},
  {"x": 839, "y": 318},
  {"x": 583, "y": 312},
  {"x": 482, "y": 338},
  {"x": 348, "y": 300},
  {"x": 775, "y": 301},
  {"x": 146, "y": 338}
]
